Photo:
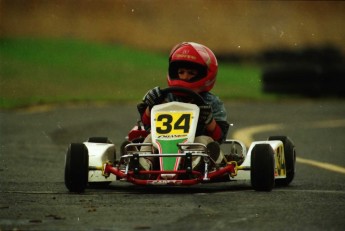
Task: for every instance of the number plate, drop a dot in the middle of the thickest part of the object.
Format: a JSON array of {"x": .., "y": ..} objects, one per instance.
[{"x": 172, "y": 123}]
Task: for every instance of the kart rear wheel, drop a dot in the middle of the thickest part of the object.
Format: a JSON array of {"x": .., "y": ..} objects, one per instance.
[
  {"x": 76, "y": 167},
  {"x": 102, "y": 140},
  {"x": 262, "y": 167},
  {"x": 290, "y": 159}
]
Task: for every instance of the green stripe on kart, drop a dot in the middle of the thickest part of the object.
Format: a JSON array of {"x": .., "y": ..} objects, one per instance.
[{"x": 169, "y": 146}]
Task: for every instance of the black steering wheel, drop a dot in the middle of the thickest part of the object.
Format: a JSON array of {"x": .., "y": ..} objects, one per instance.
[{"x": 197, "y": 99}]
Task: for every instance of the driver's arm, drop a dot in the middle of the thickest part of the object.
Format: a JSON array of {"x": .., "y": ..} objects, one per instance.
[
  {"x": 214, "y": 131},
  {"x": 151, "y": 98},
  {"x": 145, "y": 118}
]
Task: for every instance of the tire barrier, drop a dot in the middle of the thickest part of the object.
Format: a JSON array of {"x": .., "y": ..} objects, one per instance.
[{"x": 311, "y": 72}]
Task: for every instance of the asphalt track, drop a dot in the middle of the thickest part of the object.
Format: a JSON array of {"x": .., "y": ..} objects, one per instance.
[{"x": 33, "y": 196}]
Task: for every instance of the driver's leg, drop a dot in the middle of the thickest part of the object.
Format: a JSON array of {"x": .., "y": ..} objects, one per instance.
[
  {"x": 213, "y": 150},
  {"x": 147, "y": 163}
]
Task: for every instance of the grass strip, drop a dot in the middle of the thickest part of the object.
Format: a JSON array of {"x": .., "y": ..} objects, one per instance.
[{"x": 40, "y": 71}]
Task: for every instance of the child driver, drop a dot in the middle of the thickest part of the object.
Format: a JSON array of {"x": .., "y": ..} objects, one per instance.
[{"x": 192, "y": 66}]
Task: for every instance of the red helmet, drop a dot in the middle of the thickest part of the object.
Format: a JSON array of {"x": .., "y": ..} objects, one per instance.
[{"x": 196, "y": 56}]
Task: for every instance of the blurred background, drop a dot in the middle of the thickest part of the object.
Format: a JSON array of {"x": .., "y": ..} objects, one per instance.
[
  {"x": 225, "y": 26},
  {"x": 292, "y": 43}
]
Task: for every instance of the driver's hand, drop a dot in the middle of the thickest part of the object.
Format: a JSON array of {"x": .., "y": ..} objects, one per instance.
[
  {"x": 206, "y": 115},
  {"x": 153, "y": 97}
]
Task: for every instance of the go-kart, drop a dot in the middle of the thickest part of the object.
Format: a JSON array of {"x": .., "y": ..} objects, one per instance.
[{"x": 173, "y": 128}]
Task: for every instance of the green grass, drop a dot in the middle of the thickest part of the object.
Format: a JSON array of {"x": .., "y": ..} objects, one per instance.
[{"x": 38, "y": 71}]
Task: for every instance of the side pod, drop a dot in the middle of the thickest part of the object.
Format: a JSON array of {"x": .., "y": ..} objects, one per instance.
[{"x": 99, "y": 154}]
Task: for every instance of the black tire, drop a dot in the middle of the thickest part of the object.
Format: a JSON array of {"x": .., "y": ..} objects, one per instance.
[
  {"x": 76, "y": 168},
  {"x": 290, "y": 159},
  {"x": 334, "y": 80},
  {"x": 122, "y": 148},
  {"x": 296, "y": 79},
  {"x": 102, "y": 140},
  {"x": 262, "y": 167}
]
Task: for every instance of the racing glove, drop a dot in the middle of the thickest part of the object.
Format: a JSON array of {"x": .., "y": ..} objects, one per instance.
[
  {"x": 205, "y": 116},
  {"x": 153, "y": 97}
]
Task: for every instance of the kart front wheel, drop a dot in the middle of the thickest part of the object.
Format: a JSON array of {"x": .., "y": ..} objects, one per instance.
[
  {"x": 290, "y": 159},
  {"x": 262, "y": 167},
  {"x": 76, "y": 167}
]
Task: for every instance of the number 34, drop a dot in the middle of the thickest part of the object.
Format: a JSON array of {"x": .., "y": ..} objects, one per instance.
[{"x": 170, "y": 123}]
